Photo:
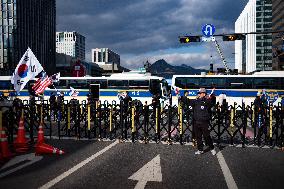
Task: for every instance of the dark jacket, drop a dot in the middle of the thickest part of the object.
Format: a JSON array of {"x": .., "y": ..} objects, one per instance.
[
  {"x": 201, "y": 110},
  {"x": 52, "y": 100},
  {"x": 60, "y": 101},
  {"x": 155, "y": 101},
  {"x": 126, "y": 102},
  {"x": 259, "y": 104},
  {"x": 184, "y": 101}
]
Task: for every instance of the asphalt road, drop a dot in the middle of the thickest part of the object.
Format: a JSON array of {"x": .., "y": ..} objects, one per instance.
[{"x": 168, "y": 166}]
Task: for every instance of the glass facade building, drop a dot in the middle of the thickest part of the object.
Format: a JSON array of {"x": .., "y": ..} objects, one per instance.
[
  {"x": 71, "y": 43},
  {"x": 263, "y": 42},
  {"x": 27, "y": 23},
  {"x": 278, "y": 38},
  {"x": 255, "y": 53}
]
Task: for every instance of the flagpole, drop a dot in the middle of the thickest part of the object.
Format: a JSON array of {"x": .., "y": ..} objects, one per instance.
[
  {"x": 55, "y": 88},
  {"x": 54, "y": 85}
]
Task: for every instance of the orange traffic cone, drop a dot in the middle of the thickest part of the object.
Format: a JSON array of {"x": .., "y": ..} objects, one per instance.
[
  {"x": 44, "y": 148},
  {"x": 5, "y": 151},
  {"x": 21, "y": 143},
  {"x": 40, "y": 135}
]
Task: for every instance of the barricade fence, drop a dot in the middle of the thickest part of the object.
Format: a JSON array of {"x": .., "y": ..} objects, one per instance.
[{"x": 235, "y": 124}]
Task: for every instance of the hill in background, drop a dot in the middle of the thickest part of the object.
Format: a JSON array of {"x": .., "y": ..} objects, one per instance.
[{"x": 164, "y": 69}]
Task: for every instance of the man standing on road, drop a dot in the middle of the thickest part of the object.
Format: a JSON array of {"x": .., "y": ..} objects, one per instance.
[{"x": 201, "y": 115}]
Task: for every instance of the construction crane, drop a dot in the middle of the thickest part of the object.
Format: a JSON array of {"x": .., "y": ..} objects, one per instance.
[{"x": 222, "y": 56}]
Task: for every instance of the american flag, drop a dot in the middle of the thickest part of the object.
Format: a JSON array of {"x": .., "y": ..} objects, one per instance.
[
  {"x": 73, "y": 92},
  {"x": 41, "y": 84}
]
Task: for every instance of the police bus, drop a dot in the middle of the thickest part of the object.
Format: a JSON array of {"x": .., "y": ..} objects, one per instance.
[
  {"x": 140, "y": 86},
  {"x": 237, "y": 88}
]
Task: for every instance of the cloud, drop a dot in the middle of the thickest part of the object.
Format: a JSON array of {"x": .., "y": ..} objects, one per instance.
[
  {"x": 133, "y": 28},
  {"x": 196, "y": 60}
]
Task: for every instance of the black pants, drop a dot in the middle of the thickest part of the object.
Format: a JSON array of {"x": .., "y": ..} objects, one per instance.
[{"x": 201, "y": 129}]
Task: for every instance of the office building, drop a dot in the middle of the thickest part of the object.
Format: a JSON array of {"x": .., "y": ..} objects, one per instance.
[
  {"x": 71, "y": 43},
  {"x": 28, "y": 23},
  {"x": 65, "y": 65},
  {"x": 278, "y": 38},
  {"x": 105, "y": 56},
  {"x": 254, "y": 53}
]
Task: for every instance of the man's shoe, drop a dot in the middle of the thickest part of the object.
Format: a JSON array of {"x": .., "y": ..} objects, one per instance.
[
  {"x": 213, "y": 152},
  {"x": 198, "y": 152}
]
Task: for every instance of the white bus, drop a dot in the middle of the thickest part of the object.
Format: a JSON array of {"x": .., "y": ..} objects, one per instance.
[
  {"x": 237, "y": 88},
  {"x": 140, "y": 86}
]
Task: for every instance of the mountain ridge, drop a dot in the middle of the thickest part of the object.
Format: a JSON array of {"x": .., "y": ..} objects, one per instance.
[{"x": 164, "y": 69}]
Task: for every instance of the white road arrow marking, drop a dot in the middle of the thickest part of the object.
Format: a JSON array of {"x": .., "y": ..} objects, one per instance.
[
  {"x": 149, "y": 172},
  {"x": 31, "y": 158}
]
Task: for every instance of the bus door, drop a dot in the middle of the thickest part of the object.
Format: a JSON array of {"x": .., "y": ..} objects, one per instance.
[
  {"x": 155, "y": 87},
  {"x": 95, "y": 91}
]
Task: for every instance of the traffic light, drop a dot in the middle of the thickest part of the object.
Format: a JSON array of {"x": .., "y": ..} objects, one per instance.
[
  {"x": 189, "y": 39},
  {"x": 234, "y": 37}
]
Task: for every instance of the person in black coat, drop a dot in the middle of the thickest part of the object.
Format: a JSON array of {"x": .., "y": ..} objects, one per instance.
[
  {"x": 201, "y": 116},
  {"x": 52, "y": 102},
  {"x": 60, "y": 106},
  {"x": 126, "y": 101},
  {"x": 184, "y": 101}
]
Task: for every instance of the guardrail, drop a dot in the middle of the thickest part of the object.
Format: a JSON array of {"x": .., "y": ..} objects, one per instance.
[{"x": 136, "y": 121}]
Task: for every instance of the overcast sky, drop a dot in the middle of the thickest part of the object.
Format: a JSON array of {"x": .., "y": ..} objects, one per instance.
[{"x": 141, "y": 30}]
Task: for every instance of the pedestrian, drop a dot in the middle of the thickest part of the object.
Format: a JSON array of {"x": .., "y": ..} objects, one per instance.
[
  {"x": 191, "y": 104},
  {"x": 60, "y": 106},
  {"x": 2, "y": 97},
  {"x": 222, "y": 99},
  {"x": 259, "y": 103},
  {"x": 260, "y": 111},
  {"x": 52, "y": 102},
  {"x": 201, "y": 115},
  {"x": 60, "y": 99},
  {"x": 184, "y": 102},
  {"x": 126, "y": 100},
  {"x": 90, "y": 98},
  {"x": 155, "y": 100}
]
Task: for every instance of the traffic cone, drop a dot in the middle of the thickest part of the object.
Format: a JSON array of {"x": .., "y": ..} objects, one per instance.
[
  {"x": 5, "y": 151},
  {"x": 43, "y": 148},
  {"x": 21, "y": 143},
  {"x": 40, "y": 135}
]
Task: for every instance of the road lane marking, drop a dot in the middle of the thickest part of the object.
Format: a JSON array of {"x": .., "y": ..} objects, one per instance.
[
  {"x": 226, "y": 172},
  {"x": 31, "y": 158},
  {"x": 149, "y": 172},
  {"x": 76, "y": 167}
]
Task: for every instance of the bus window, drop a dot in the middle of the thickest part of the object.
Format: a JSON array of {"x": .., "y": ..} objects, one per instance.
[
  {"x": 118, "y": 84},
  {"x": 281, "y": 83},
  {"x": 61, "y": 84},
  {"x": 102, "y": 82},
  {"x": 78, "y": 84},
  {"x": 138, "y": 84},
  {"x": 187, "y": 83},
  {"x": 192, "y": 83},
  {"x": 265, "y": 83},
  {"x": 5, "y": 85},
  {"x": 212, "y": 82}
]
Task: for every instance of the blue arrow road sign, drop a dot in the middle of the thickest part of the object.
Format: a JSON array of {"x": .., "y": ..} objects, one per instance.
[{"x": 208, "y": 30}]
